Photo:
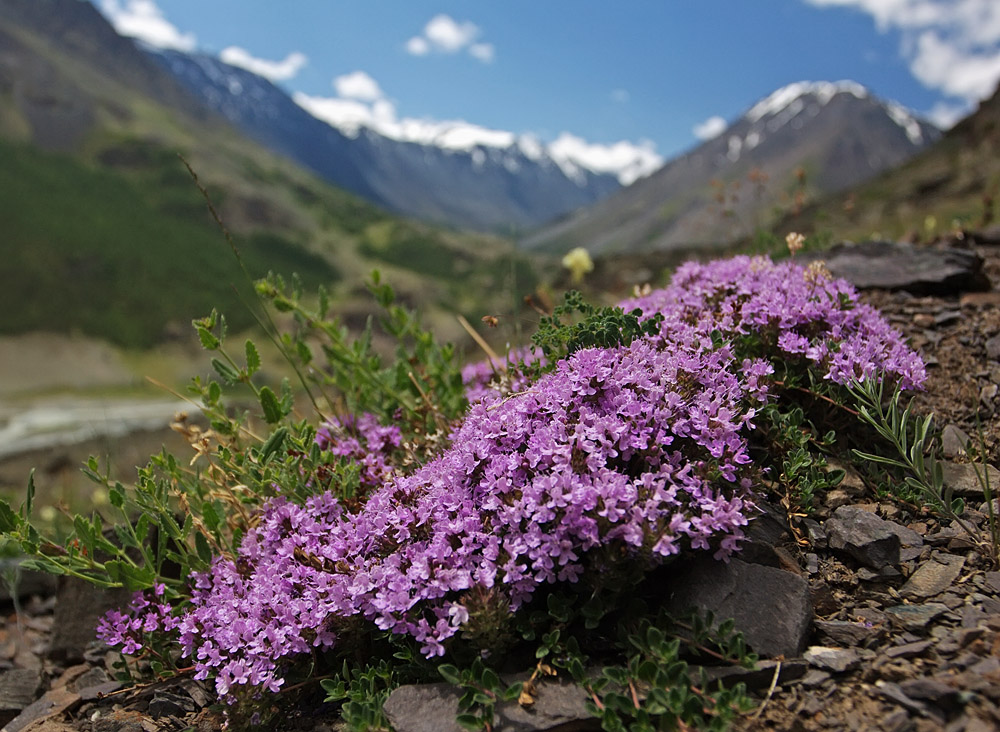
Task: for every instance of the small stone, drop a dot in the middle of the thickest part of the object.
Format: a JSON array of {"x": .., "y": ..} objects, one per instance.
[
  {"x": 815, "y": 533},
  {"x": 893, "y": 693},
  {"x": 837, "y": 660},
  {"x": 986, "y": 666},
  {"x": 993, "y": 348},
  {"x": 961, "y": 478},
  {"x": 909, "y": 650},
  {"x": 932, "y": 690},
  {"x": 916, "y": 617},
  {"x": 933, "y": 576},
  {"x": 987, "y": 394},
  {"x": 863, "y": 536},
  {"x": 901, "y": 266},
  {"x": 846, "y": 633},
  {"x": 947, "y": 317},
  {"x": 836, "y": 498},
  {"x": 992, "y": 580},
  {"x": 814, "y": 677},
  {"x": 433, "y": 708},
  {"x": 954, "y": 441},
  {"x": 812, "y": 563},
  {"x": 895, "y": 721}
]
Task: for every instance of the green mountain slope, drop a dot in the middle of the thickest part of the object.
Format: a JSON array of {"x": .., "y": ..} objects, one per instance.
[{"x": 105, "y": 232}]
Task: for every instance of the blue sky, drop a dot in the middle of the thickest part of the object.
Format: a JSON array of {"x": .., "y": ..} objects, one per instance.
[{"x": 647, "y": 75}]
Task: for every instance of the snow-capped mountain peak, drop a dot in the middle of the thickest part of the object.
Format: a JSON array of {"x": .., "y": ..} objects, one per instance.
[{"x": 791, "y": 96}]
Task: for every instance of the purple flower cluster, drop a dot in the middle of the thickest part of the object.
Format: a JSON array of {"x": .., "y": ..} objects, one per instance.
[
  {"x": 798, "y": 312},
  {"x": 487, "y": 378},
  {"x": 129, "y": 630},
  {"x": 642, "y": 448},
  {"x": 366, "y": 442}
]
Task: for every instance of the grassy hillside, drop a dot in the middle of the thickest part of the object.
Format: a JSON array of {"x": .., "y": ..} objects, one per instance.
[
  {"x": 85, "y": 249},
  {"x": 105, "y": 233}
]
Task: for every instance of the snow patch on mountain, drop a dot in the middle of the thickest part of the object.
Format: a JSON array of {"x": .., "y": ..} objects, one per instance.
[
  {"x": 625, "y": 160},
  {"x": 791, "y": 97}
]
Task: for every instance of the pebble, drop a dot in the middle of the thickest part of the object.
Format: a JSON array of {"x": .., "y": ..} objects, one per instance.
[
  {"x": 916, "y": 617},
  {"x": 827, "y": 658},
  {"x": 933, "y": 576}
]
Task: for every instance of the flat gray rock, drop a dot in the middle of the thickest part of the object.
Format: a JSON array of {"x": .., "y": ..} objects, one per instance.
[
  {"x": 961, "y": 478},
  {"x": 916, "y": 617},
  {"x": 863, "y": 536},
  {"x": 933, "y": 576},
  {"x": 889, "y": 265},
  {"x": 847, "y": 633},
  {"x": 771, "y": 607},
  {"x": 837, "y": 660},
  {"x": 19, "y": 687},
  {"x": 433, "y": 708}
]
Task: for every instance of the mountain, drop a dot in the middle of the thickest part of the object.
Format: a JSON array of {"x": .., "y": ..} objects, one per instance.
[
  {"x": 106, "y": 233},
  {"x": 505, "y": 185},
  {"x": 804, "y": 140},
  {"x": 954, "y": 183}
]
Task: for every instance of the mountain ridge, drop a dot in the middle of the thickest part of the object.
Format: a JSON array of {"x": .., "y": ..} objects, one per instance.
[
  {"x": 480, "y": 187},
  {"x": 800, "y": 142}
]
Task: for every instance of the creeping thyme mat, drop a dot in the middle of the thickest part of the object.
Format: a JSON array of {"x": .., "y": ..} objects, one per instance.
[{"x": 642, "y": 447}]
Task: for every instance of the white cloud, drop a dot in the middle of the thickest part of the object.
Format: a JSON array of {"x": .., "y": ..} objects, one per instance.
[
  {"x": 620, "y": 96},
  {"x": 951, "y": 45},
  {"x": 443, "y": 34},
  {"x": 946, "y": 114},
  {"x": 142, "y": 19},
  {"x": 447, "y": 35},
  {"x": 940, "y": 64},
  {"x": 358, "y": 85},
  {"x": 271, "y": 70},
  {"x": 711, "y": 127},
  {"x": 418, "y": 46},
  {"x": 482, "y": 51}
]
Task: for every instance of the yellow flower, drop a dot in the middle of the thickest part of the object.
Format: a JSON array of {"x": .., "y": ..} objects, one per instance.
[{"x": 579, "y": 263}]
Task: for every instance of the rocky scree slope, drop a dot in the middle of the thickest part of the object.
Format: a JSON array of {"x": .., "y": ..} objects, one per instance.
[{"x": 804, "y": 140}]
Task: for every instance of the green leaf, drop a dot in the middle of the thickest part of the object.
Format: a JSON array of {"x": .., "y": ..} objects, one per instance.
[
  {"x": 202, "y": 547},
  {"x": 9, "y": 521},
  {"x": 214, "y": 392},
  {"x": 208, "y": 341},
  {"x": 31, "y": 494},
  {"x": 470, "y": 722},
  {"x": 210, "y": 516},
  {"x": 490, "y": 679},
  {"x": 229, "y": 375},
  {"x": 142, "y": 528},
  {"x": 450, "y": 674},
  {"x": 269, "y": 403},
  {"x": 273, "y": 444},
  {"x": 253, "y": 358}
]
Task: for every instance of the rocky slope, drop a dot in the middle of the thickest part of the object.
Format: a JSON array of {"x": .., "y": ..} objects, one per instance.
[
  {"x": 804, "y": 140},
  {"x": 953, "y": 183}
]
